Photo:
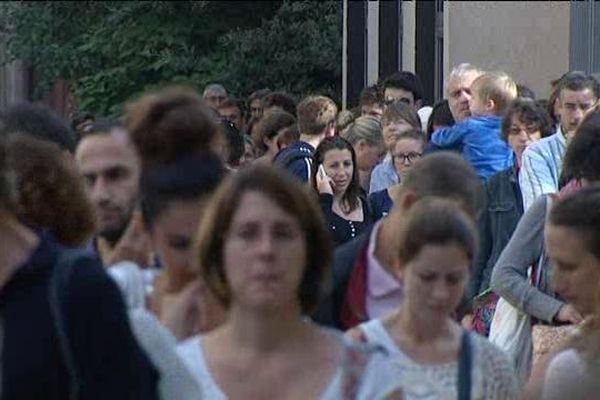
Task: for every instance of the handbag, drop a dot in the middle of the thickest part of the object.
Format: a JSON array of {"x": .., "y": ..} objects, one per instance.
[
  {"x": 511, "y": 328},
  {"x": 548, "y": 338}
]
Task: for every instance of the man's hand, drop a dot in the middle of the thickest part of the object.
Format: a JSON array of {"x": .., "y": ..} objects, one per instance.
[{"x": 133, "y": 246}]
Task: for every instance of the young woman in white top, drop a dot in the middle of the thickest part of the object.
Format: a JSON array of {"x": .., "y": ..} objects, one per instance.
[
  {"x": 263, "y": 248},
  {"x": 573, "y": 243},
  {"x": 436, "y": 358}
]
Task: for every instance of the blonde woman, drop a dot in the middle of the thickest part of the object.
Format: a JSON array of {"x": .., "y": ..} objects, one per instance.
[{"x": 366, "y": 137}]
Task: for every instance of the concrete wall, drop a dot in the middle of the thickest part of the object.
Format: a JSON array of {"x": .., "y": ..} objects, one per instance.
[
  {"x": 409, "y": 10},
  {"x": 528, "y": 40}
]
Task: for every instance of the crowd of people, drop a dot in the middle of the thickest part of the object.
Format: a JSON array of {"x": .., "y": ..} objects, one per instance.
[{"x": 205, "y": 247}]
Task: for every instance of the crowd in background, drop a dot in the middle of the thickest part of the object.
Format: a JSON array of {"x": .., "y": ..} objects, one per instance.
[{"x": 207, "y": 247}]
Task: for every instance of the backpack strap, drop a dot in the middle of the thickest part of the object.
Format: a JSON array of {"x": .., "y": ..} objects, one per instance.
[
  {"x": 465, "y": 366},
  {"x": 58, "y": 291}
]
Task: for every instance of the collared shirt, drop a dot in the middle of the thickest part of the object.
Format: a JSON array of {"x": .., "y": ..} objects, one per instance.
[
  {"x": 384, "y": 175},
  {"x": 541, "y": 167},
  {"x": 384, "y": 292}
]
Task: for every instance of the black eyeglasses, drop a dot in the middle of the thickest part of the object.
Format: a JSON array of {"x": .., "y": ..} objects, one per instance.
[{"x": 410, "y": 157}]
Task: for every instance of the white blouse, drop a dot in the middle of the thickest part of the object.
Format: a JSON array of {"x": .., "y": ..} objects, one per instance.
[
  {"x": 376, "y": 382},
  {"x": 493, "y": 377}
]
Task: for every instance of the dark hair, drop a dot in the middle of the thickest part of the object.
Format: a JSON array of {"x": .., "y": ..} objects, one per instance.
[
  {"x": 39, "y": 122},
  {"x": 436, "y": 221},
  {"x": 581, "y": 212},
  {"x": 351, "y": 198},
  {"x": 230, "y": 103},
  {"x": 7, "y": 182},
  {"x": 290, "y": 196},
  {"x": 271, "y": 123},
  {"x": 447, "y": 175},
  {"x": 101, "y": 127},
  {"x": 582, "y": 158},
  {"x": 258, "y": 95},
  {"x": 281, "y": 100},
  {"x": 525, "y": 92},
  {"x": 371, "y": 95},
  {"x": 184, "y": 179},
  {"x": 235, "y": 141},
  {"x": 577, "y": 81},
  {"x": 50, "y": 192},
  {"x": 405, "y": 80},
  {"x": 170, "y": 124},
  {"x": 287, "y": 136},
  {"x": 528, "y": 112},
  {"x": 440, "y": 116}
]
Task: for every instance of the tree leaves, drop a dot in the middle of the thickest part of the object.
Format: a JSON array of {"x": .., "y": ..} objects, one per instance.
[{"x": 112, "y": 51}]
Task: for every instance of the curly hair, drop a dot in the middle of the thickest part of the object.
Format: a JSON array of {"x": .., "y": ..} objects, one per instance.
[
  {"x": 170, "y": 124},
  {"x": 50, "y": 192}
]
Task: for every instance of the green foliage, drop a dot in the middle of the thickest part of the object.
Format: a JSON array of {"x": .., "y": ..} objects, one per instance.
[{"x": 113, "y": 51}]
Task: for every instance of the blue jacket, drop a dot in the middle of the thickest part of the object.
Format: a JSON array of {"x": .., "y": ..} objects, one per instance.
[
  {"x": 478, "y": 139},
  {"x": 296, "y": 159}
]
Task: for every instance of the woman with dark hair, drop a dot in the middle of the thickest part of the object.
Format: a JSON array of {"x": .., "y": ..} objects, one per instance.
[
  {"x": 335, "y": 177},
  {"x": 573, "y": 243},
  {"x": 439, "y": 118},
  {"x": 269, "y": 128},
  {"x": 525, "y": 248},
  {"x": 263, "y": 250},
  {"x": 524, "y": 122},
  {"x": 180, "y": 170},
  {"x": 430, "y": 352}
]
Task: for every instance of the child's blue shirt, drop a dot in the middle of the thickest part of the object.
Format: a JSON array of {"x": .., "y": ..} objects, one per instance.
[{"x": 479, "y": 140}]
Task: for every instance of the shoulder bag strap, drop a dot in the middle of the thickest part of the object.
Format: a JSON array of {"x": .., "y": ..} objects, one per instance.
[
  {"x": 465, "y": 366},
  {"x": 58, "y": 291}
]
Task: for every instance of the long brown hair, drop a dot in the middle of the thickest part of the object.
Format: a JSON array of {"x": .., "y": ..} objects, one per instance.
[{"x": 351, "y": 198}]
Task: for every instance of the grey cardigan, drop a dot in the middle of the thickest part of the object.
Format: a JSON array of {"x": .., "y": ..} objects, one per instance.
[{"x": 509, "y": 277}]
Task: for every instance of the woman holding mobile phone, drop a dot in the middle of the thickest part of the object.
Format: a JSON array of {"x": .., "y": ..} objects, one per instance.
[{"x": 336, "y": 180}]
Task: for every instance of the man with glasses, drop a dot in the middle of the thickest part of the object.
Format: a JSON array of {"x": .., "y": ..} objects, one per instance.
[
  {"x": 403, "y": 86},
  {"x": 542, "y": 161}
]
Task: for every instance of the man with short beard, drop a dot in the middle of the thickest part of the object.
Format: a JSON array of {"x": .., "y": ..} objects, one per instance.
[{"x": 111, "y": 169}]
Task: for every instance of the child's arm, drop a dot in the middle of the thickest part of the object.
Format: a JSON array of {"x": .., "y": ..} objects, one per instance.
[{"x": 449, "y": 137}]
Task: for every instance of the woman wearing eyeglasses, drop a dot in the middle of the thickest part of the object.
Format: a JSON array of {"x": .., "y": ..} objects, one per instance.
[{"x": 408, "y": 149}]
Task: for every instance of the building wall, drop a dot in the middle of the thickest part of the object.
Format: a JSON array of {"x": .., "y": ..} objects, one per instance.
[
  {"x": 408, "y": 35},
  {"x": 528, "y": 40}
]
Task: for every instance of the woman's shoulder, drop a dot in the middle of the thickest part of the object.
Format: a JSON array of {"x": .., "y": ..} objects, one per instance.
[{"x": 367, "y": 363}]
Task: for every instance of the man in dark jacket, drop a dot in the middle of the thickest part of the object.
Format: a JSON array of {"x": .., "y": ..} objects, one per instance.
[
  {"x": 316, "y": 120},
  {"x": 363, "y": 284}
]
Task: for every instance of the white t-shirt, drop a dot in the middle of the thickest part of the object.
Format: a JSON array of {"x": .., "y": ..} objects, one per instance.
[
  {"x": 493, "y": 377},
  {"x": 376, "y": 382}
]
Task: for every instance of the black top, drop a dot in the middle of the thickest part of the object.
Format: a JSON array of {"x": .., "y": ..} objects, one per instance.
[
  {"x": 342, "y": 229},
  {"x": 109, "y": 362},
  {"x": 381, "y": 203}
]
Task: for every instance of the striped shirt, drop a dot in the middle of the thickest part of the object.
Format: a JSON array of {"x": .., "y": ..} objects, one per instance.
[{"x": 541, "y": 167}]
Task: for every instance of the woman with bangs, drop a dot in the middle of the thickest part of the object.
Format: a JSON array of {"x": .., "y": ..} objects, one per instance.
[{"x": 263, "y": 249}]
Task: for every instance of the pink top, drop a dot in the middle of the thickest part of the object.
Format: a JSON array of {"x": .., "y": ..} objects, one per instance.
[{"x": 384, "y": 292}]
